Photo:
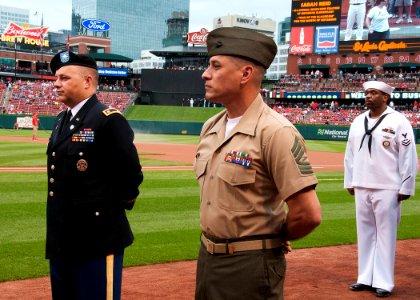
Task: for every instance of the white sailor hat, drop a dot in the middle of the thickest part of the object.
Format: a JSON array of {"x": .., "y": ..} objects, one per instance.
[{"x": 378, "y": 85}]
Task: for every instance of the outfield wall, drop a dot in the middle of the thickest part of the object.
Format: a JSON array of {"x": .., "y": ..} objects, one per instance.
[{"x": 309, "y": 132}]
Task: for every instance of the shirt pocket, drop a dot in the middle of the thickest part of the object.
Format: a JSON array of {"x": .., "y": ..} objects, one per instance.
[
  {"x": 200, "y": 167},
  {"x": 236, "y": 186}
]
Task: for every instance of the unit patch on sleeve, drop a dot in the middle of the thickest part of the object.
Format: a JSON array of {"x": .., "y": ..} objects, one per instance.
[
  {"x": 109, "y": 111},
  {"x": 301, "y": 159}
]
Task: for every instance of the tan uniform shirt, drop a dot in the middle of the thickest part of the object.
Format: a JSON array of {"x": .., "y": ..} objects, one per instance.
[{"x": 247, "y": 198}]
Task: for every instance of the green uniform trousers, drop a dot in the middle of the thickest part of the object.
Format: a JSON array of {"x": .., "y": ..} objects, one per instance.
[{"x": 243, "y": 275}]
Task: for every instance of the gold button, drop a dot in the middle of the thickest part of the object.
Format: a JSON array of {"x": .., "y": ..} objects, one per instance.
[
  {"x": 52, "y": 180},
  {"x": 80, "y": 153},
  {"x": 53, "y": 154},
  {"x": 51, "y": 193},
  {"x": 52, "y": 167}
]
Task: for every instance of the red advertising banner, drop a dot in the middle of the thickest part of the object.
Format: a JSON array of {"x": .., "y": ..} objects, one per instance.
[
  {"x": 198, "y": 37},
  {"x": 32, "y": 36},
  {"x": 301, "y": 40}
]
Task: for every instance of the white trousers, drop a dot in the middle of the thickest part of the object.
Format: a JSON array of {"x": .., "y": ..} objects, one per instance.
[
  {"x": 377, "y": 217},
  {"x": 356, "y": 14}
]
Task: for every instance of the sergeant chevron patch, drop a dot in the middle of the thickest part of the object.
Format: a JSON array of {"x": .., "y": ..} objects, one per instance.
[{"x": 301, "y": 159}]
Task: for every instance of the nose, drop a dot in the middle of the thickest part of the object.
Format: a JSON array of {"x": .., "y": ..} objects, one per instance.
[
  {"x": 56, "y": 83},
  {"x": 205, "y": 74}
]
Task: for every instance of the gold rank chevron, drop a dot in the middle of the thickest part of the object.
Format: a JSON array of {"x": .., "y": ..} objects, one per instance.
[{"x": 301, "y": 159}]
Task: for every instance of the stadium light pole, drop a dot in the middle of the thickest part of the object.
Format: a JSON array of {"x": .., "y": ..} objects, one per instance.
[{"x": 15, "y": 58}]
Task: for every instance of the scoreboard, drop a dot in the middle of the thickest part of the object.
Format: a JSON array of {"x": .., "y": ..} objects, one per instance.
[
  {"x": 318, "y": 27},
  {"x": 306, "y": 13}
]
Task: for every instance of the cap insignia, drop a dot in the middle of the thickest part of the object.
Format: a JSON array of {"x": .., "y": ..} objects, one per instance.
[{"x": 64, "y": 57}]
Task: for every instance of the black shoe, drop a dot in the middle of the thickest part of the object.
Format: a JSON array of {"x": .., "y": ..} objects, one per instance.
[
  {"x": 357, "y": 287},
  {"x": 381, "y": 293}
]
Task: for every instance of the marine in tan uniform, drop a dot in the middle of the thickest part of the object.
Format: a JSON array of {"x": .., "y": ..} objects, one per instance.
[{"x": 257, "y": 185}]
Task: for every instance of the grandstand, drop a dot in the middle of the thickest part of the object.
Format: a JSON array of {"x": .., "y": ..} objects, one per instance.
[
  {"x": 340, "y": 116},
  {"x": 27, "y": 97},
  {"x": 346, "y": 82}
]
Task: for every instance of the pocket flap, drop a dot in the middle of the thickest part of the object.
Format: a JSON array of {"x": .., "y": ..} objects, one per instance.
[
  {"x": 200, "y": 167},
  {"x": 236, "y": 174}
]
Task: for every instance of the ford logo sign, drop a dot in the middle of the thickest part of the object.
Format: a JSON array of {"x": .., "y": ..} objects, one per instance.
[{"x": 95, "y": 25}]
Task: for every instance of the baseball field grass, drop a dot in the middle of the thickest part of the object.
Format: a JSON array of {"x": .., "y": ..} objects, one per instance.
[
  {"x": 165, "y": 220},
  {"x": 171, "y": 113}
]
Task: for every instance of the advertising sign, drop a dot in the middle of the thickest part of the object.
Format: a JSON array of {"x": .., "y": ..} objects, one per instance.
[
  {"x": 394, "y": 95},
  {"x": 96, "y": 25},
  {"x": 312, "y": 95},
  {"x": 326, "y": 39},
  {"x": 29, "y": 36},
  {"x": 198, "y": 37},
  {"x": 301, "y": 40},
  {"x": 113, "y": 72}
]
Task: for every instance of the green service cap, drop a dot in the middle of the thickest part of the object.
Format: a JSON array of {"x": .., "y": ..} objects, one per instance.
[{"x": 241, "y": 42}]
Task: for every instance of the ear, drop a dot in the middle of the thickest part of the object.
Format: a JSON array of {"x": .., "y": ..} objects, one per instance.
[
  {"x": 88, "y": 81},
  {"x": 247, "y": 73}
]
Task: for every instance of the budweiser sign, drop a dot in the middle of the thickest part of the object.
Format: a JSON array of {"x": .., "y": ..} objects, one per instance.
[
  {"x": 199, "y": 37},
  {"x": 14, "y": 30}
]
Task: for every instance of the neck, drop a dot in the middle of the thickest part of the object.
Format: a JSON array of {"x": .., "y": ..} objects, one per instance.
[
  {"x": 238, "y": 106},
  {"x": 376, "y": 113}
]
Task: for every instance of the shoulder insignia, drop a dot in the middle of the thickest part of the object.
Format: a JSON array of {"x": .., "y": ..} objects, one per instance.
[
  {"x": 109, "y": 111},
  {"x": 301, "y": 159}
]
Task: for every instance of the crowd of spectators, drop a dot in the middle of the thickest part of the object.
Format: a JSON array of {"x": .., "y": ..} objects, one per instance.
[
  {"x": 28, "y": 97},
  {"x": 335, "y": 114},
  {"x": 39, "y": 96},
  {"x": 349, "y": 82},
  {"x": 343, "y": 113},
  {"x": 11, "y": 69},
  {"x": 186, "y": 67}
]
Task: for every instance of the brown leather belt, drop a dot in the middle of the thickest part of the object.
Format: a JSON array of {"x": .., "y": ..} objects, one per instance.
[{"x": 230, "y": 248}]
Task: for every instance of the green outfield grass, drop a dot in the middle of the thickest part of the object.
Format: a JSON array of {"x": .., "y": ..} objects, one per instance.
[
  {"x": 165, "y": 219},
  {"x": 171, "y": 113}
]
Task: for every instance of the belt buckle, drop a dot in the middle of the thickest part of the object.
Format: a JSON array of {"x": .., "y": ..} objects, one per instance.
[{"x": 210, "y": 246}]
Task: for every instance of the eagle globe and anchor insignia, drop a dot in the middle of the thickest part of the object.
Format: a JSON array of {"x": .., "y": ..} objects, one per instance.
[{"x": 82, "y": 165}]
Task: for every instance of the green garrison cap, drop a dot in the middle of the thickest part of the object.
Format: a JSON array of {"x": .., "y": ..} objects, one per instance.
[
  {"x": 245, "y": 43},
  {"x": 67, "y": 58}
]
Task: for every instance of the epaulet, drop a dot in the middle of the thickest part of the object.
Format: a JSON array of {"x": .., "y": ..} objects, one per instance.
[{"x": 109, "y": 111}]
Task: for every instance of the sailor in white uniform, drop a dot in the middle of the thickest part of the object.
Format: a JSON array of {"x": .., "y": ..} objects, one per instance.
[{"x": 380, "y": 171}]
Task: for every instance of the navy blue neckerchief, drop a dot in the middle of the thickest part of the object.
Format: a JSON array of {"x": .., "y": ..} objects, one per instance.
[{"x": 369, "y": 132}]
